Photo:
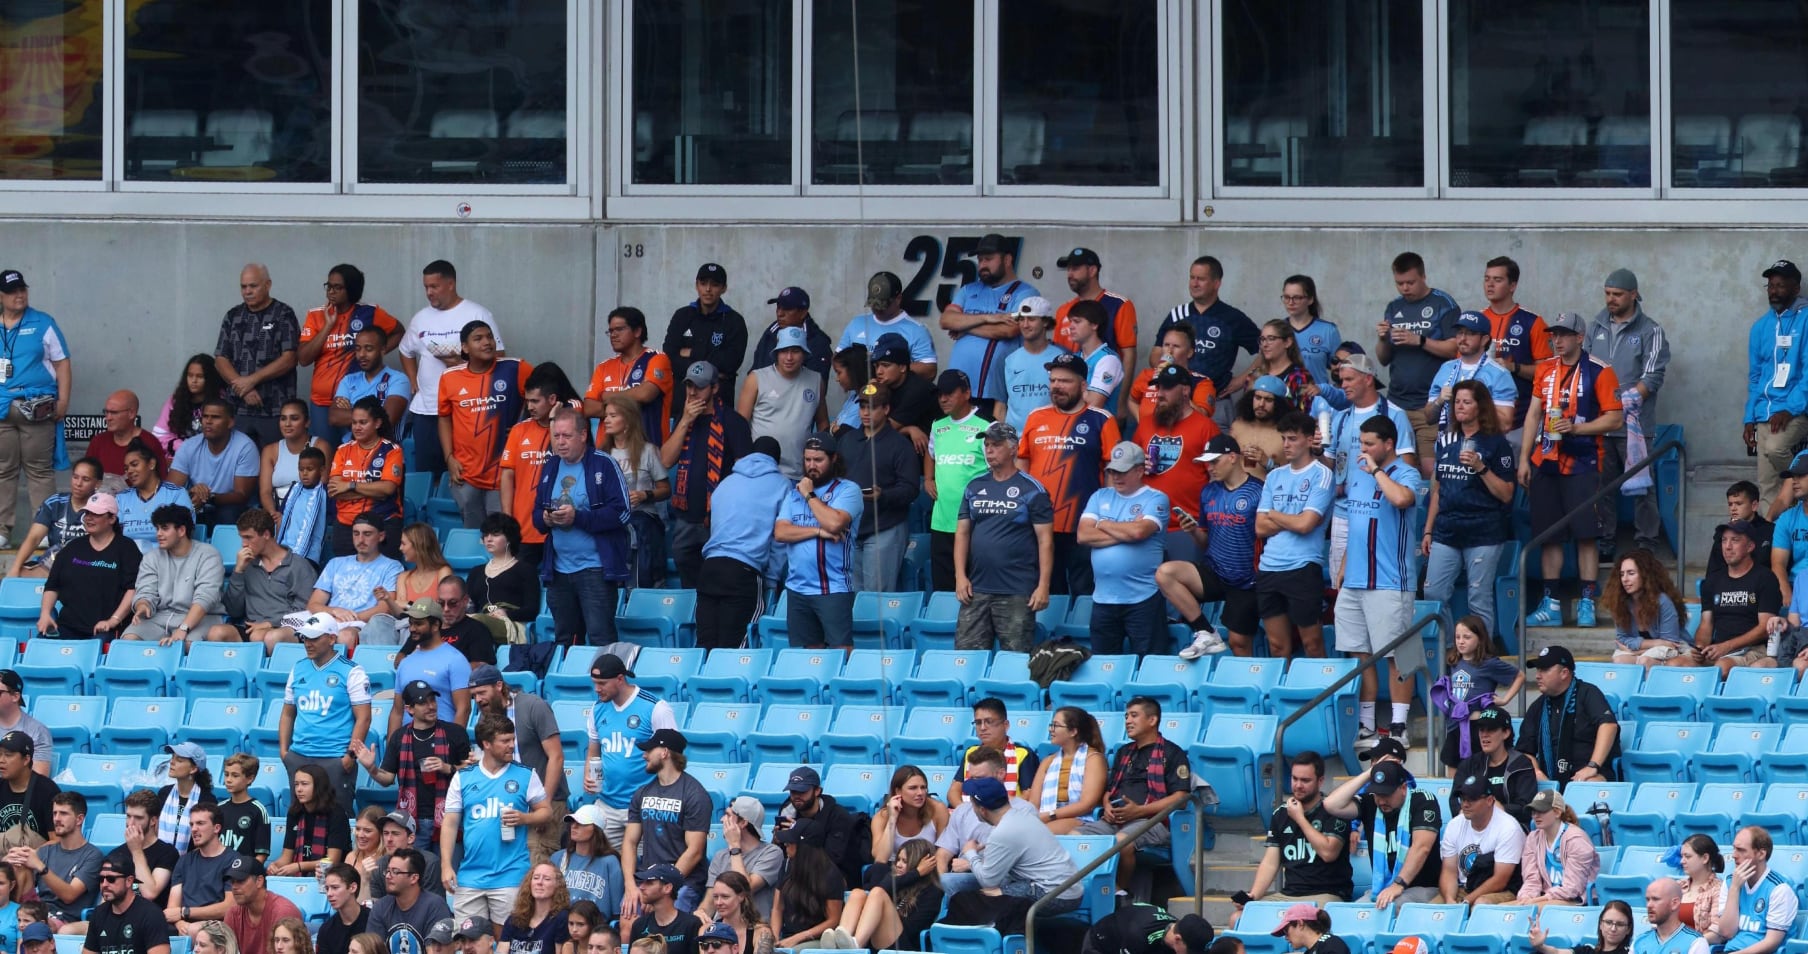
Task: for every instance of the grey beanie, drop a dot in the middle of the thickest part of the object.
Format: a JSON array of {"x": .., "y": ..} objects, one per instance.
[{"x": 1623, "y": 279}]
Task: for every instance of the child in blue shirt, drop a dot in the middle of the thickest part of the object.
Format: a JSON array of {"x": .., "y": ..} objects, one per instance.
[
  {"x": 1478, "y": 678},
  {"x": 302, "y": 525}
]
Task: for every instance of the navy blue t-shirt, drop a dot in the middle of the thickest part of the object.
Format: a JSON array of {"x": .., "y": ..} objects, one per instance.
[
  {"x": 1218, "y": 332},
  {"x": 1004, "y": 514},
  {"x": 1468, "y": 515}
]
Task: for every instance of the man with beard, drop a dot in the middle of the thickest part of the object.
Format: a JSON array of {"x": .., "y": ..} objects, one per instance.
[
  {"x": 815, "y": 531},
  {"x": 830, "y": 826},
  {"x": 1254, "y": 429},
  {"x": 1119, "y": 328},
  {"x": 419, "y": 759},
  {"x": 1307, "y": 844},
  {"x": 1472, "y": 361},
  {"x": 1174, "y": 348},
  {"x": 460, "y": 631},
  {"x": 1174, "y": 436},
  {"x": 1776, "y": 406},
  {"x": 124, "y": 923},
  {"x": 981, "y": 319},
  {"x": 220, "y": 470},
  {"x": 1064, "y": 448},
  {"x": 66, "y": 866},
  {"x": 1362, "y": 388},
  {"x": 1026, "y": 370},
  {"x": 668, "y": 822},
  {"x": 537, "y": 744}
]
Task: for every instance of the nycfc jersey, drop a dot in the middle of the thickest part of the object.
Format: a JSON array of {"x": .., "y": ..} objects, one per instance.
[{"x": 817, "y": 567}]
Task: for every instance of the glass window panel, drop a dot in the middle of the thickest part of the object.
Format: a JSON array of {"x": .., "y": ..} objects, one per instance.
[
  {"x": 229, "y": 92},
  {"x": 1553, "y": 93},
  {"x": 914, "y": 121},
  {"x": 1737, "y": 112},
  {"x": 712, "y": 92},
  {"x": 50, "y": 89},
  {"x": 462, "y": 91},
  {"x": 1323, "y": 93},
  {"x": 1078, "y": 92}
]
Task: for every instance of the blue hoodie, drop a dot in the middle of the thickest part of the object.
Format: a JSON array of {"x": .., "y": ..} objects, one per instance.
[{"x": 743, "y": 511}]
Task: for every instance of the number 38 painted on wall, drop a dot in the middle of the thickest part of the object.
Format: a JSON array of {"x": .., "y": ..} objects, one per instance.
[{"x": 955, "y": 259}]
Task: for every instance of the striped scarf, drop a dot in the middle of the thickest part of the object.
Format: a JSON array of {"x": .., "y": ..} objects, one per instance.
[
  {"x": 714, "y": 453},
  {"x": 310, "y": 830},
  {"x": 411, "y": 784},
  {"x": 1155, "y": 773},
  {"x": 172, "y": 821},
  {"x": 1066, "y": 783}
]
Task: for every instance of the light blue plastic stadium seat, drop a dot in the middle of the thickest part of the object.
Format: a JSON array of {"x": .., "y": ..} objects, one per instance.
[
  {"x": 1788, "y": 762},
  {"x": 273, "y": 676},
  {"x": 1438, "y": 789},
  {"x": 1718, "y": 808},
  {"x": 859, "y": 788},
  {"x": 1782, "y": 811},
  {"x": 871, "y": 676},
  {"x": 1423, "y": 920},
  {"x": 1008, "y": 680},
  {"x": 729, "y": 675},
  {"x": 1733, "y": 756},
  {"x": 772, "y": 630},
  {"x": 715, "y": 730},
  {"x": 1357, "y": 924},
  {"x": 264, "y": 734},
  {"x": 800, "y": 676},
  {"x": 1649, "y": 819},
  {"x": 140, "y": 724},
  {"x": 1665, "y": 750},
  {"x": 1170, "y": 680},
  {"x": 939, "y": 778},
  {"x": 769, "y": 784},
  {"x": 945, "y": 677},
  {"x": 932, "y": 734},
  {"x": 962, "y": 939},
  {"x": 789, "y": 734},
  {"x": 379, "y": 665},
  {"x": 101, "y": 779},
  {"x": 568, "y": 675},
  {"x": 1492, "y": 929},
  {"x": 1635, "y": 869},
  {"x": 305, "y": 893},
  {"x": 1052, "y": 616},
  {"x": 1101, "y": 883},
  {"x": 137, "y": 668},
  {"x": 1241, "y": 684},
  {"x": 1793, "y": 708},
  {"x": 9, "y": 651},
  {"x": 106, "y": 829},
  {"x": 1331, "y": 727},
  {"x": 1255, "y": 926},
  {"x": 73, "y": 720},
  {"x": 880, "y": 619},
  {"x": 464, "y": 550},
  {"x": 859, "y": 733},
  {"x": 1236, "y": 750},
  {"x": 1748, "y": 695},
  {"x": 21, "y": 602},
  {"x": 219, "y": 725},
  {"x": 573, "y": 718},
  {"x": 1619, "y": 682},
  {"x": 61, "y": 667},
  {"x": 218, "y": 670},
  {"x": 1791, "y": 861},
  {"x": 1077, "y": 624},
  {"x": 1097, "y": 684},
  {"x": 724, "y": 782},
  {"x": 664, "y": 672},
  {"x": 661, "y": 618},
  {"x": 1673, "y": 694},
  {"x": 934, "y": 629},
  {"x": 1185, "y": 838},
  {"x": 1029, "y": 728}
]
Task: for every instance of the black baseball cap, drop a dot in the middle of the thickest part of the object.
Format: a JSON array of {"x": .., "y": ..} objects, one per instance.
[
  {"x": 1079, "y": 256},
  {"x": 1553, "y": 656},
  {"x": 19, "y": 742},
  {"x": 990, "y": 244},
  {"x": 803, "y": 778},
  {"x": 418, "y": 691},
  {"x": 891, "y": 348},
  {"x": 953, "y": 380},
  {"x": 10, "y": 681},
  {"x": 711, "y": 272},
  {"x": 1743, "y": 528},
  {"x": 820, "y": 441},
  {"x": 1471, "y": 787},
  {"x": 795, "y": 833},
  {"x": 244, "y": 866},
  {"x": 1219, "y": 446},
  {"x": 1386, "y": 778},
  {"x": 1384, "y": 748},
  {"x": 12, "y": 280},
  {"x": 608, "y": 666},
  {"x": 1172, "y": 376},
  {"x": 667, "y": 873},
  {"x": 1493, "y": 717},
  {"x": 1785, "y": 268},
  {"x": 1068, "y": 362},
  {"x": 1196, "y": 932},
  {"x": 792, "y": 297},
  {"x": 670, "y": 738}
]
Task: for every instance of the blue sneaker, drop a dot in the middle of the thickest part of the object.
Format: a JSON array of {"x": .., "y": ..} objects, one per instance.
[
  {"x": 1548, "y": 613},
  {"x": 1585, "y": 612}
]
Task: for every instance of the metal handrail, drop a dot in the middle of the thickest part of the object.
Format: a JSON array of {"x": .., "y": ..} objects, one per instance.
[
  {"x": 1536, "y": 544},
  {"x": 1433, "y": 668}
]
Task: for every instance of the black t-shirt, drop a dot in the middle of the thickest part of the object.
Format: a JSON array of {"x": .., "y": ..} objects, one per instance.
[
  {"x": 1132, "y": 929},
  {"x": 1418, "y": 813},
  {"x": 1569, "y": 738},
  {"x": 158, "y": 854},
  {"x": 91, "y": 582},
  {"x": 913, "y": 403},
  {"x": 31, "y": 807},
  {"x": 680, "y": 935},
  {"x": 1737, "y": 601},
  {"x": 458, "y": 743},
  {"x": 1133, "y": 784},
  {"x": 312, "y": 834},
  {"x": 1306, "y": 872},
  {"x": 795, "y": 920},
  {"x": 473, "y": 639},
  {"x": 245, "y": 828},
  {"x": 336, "y": 936},
  {"x": 135, "y": 932},
  {"x": 1329, "y": 945}
]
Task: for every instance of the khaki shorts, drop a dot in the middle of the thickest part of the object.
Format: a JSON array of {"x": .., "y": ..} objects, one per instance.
[
  {"x": 493, "y": 905},
  {"x": 1425, "y": 434}
]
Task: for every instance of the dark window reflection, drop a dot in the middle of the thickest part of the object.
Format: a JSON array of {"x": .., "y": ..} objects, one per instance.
[
  {"x": 51, "y": 53},
  {"x": 712, "y": 92},
  {"x": 1078, "y": 93},
  {"x": 1739, "y": 69}
]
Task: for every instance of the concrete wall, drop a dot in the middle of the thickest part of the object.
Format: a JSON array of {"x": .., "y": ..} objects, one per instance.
[{"x": 137, "y": 297}]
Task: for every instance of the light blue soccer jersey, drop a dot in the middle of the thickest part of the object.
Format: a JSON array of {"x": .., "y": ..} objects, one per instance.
[
  {"x": 1380, "y": 550},
  {"x": 388, "y": 383},
  {"x": 616, "y": 730},
  {"x": 983, "y": 358},
  {"x": 817, "y": 567},
  {"x": 1026, "y": 382},
  {"x": 479, "y": 798},
  {"x": 865, "y": 329},
  {"x": 1346, "y": 439},
  {"x": 1290, "y": 491},
  {"x": 1124, "y": 573},
  {"x": 323, "y": 697}
]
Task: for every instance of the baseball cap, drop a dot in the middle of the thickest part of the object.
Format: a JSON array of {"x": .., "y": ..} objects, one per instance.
[
  {"x": 188, "y": 750},
  {"x": 425, "y": 609},
  {"x": 418, "y": 691},
  {"x": 1363, "y": 364},
  {"x": 750, "y": 810},
  {"x": 243, "y": 867},
  {"x": 1217, "y": 447},
  {"x": 882, "y": 288},
  {"x": 442, "y": 931},
  {"x": 1743, "y": 528},
  {"x": 1302, "y": 911},
  {"x": 1386, "y": 778},
  {"x": 1785, "y": 268},
  {"x": 608, "y": 666},
  {"x": 1547, "y": 801},
  {"x": 711, "y": 272},
  {"x": 1567, "y": 322},
  {"x": 470, "y": 929},
  {"x": 114, "y": 867},
  {"x": 1125, "y": 457},
  {"x": 1472, "y": 787},
  {"x": 402, "y": 820},
  {"x": 1270, "y": 385},
  {"x": 590, "y": 814},
  {"x": 1035, "y": 306},
  {"x": 316, "y": 626},
  {"x": 953, "y": 380},
  {"x": 1553, "y": 656},
  {"x": 34, "y": 932},
  {"x": 1622, "y": 279},
  {"x": 891, "y": 348},
  {"x": 791, "y": 297},
  {"x": 1797, "y": 467},
  {"x": 986, "y": 792},
  {"x": 1196, "y": 932},
  {"x": 101, "y": 503},
  {"x": 1071, "y": 363},
  {"x": 990, "y": 244},
  {"x": 668, "y": 738},
  {"x": 1000, "y": 432},
  {"x": 10, "y": 681},
  {"x": 484, "y": 674},
  {"x": 1493, "y": 717},
  {"x": 1079, "y": 256},
  {"x": 797, "y": 833},
  {"x": 820, "y": 442},
  {"x": 719, "y": 932},
  {"x": 1384, "y": 748},
  {"x": 794, "y": 337},
  {"x": 803, "y": 778},
  {"x": 1473, "y": 321},
  {"x": 12, "y": 280},
  {"x": 667, "y": 873},
  {"x": 701, "y": 374},
  {"x": 16, "y": 741},
  {"x": 1172, "y": 376}
]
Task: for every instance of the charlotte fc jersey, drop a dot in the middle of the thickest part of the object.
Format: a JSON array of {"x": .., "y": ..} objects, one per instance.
[
  {"x": 1677, "y": 943},
  {"x": 480, "y": 797},
  {"x": 616, "y": 730},
  {"x": 1770, "y": 906},
  {"x": 817, "y": 567},
  {"x": 1380, "y": 551},
  {"x": 323, "y": 697}
]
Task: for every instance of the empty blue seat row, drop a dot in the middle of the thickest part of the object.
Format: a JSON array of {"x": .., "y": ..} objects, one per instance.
[
  {"x": 1707, "y": 752},
  {"x": 1688, "y": 694}
]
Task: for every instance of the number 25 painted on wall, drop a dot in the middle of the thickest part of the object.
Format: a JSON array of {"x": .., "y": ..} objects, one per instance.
[{"x": 956, "y": 261}]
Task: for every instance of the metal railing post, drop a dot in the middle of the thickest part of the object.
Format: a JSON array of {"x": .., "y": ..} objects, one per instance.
[{"x": 1124, "y": 838}]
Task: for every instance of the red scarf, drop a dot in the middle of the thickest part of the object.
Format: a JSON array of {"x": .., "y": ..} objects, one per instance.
[
  {"x": 1156, "y": 773},
  {"x": 411, "y": 783}
]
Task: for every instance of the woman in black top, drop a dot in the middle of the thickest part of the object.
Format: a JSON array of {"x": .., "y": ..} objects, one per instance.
[
  {"x": 93, "y": 576},
  {"x": 1308, "y": 928},
  {"x": 319, "y": 830},
  {"x": 898, "y": 909},
  {"x": 1613, "y": 933},
  {"x": 505, "y": 579},
  {"x": 808, "y": 900},
  {"x": 1508, "y": 771}
]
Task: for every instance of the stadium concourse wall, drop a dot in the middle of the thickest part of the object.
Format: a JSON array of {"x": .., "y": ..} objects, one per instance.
[{"x": 136, "y": 297}]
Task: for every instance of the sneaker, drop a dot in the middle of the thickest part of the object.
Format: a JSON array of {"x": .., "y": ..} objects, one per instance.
[
  {"x": 1585, "y": 612},
  {"x": 1548, "y": 613},
  {"x": 1205, "y": 643},
  {"x": 1398, "y": 733},
  {"x": 1366, "y": 738},
  {"x": 6, "y": 542}
]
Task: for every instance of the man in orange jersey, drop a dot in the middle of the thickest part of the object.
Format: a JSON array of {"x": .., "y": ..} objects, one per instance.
[
  {"x": 478, "y": 400},
  {"x": 1173, "y": 437},
  {"x": 328, "y": 337},
  {"x": 645, "y": 374},
  {"x": 1119, "y": 330},
  {"x": 527, "y": 449},
  {"x": 1520, "y": 338},
  {"x": 1173, "y": 347},
  {"x": 1064, "y": 448}
]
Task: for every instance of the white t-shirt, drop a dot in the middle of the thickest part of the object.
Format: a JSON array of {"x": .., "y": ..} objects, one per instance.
[
  {"x": 432, "y": 332},
  {"x": 1502, "y": 842}
]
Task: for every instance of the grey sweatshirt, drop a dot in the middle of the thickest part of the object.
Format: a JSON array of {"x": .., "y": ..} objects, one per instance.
[
  {"x": 169, "y": 583},
  {"x": 1639, "y": 353}
]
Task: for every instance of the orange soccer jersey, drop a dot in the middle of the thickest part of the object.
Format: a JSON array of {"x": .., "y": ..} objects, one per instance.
[
  {"x": 1205, "y": 394},
  {"x": 341, "y": 331},
  {"x": 1066, "y": 454},
  {"x": 528, "y": 448},
  {"x": 615, "y": 374},
  {"x": 382, "y": 462},
  {"x": 1119, "y": 335},
  {"x": 482, "y": 408},
  {"x": 1171, "y": 467},
  {"x": 1582, "y": 392}
]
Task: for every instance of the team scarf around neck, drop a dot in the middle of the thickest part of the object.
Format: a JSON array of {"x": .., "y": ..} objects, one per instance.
[
  {"x": 1553, "y": 862},
  {"x": 714, "y": 454},
  {"x": 1156, "y": 772},
  {"x": 172, "y": 821},
  {"x": 1065, "y": 785},
  {"x": 1547, "y": 734},
  {"x": 411, "y": 783}
]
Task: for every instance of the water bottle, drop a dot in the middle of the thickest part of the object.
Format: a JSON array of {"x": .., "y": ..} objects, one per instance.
[
  {"x": 508, "y": 833},
  {"x": 1324, "y": 428}
]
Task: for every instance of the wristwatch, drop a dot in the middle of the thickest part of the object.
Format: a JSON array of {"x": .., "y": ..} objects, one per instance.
[
  {"x": 1594, "y": 765},
  {"x": 184, "y": 629}
]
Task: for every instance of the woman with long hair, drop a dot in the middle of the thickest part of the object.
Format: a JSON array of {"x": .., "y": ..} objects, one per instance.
[
  {"x": 583, "y": 918},
  {"x": 12, "y": 887},
  {"x": 377, "y": 487},
  {"x": 730, "y": 902},
  {"x": 146, "y": 490},
  {"x": 1318, "y": 338},
  {"x": 1702, "y": 865},
  {"x": 1070, "y": 785},
  {"x": 851, "y": 374},
  {"x": 367, "y": 848},
  {"x": 1470, "y": 517},
  {"x": 58, "y": 521},
  {"x": 181, "y": 416},
  {"x": 896, "y": 912},
  {"x": 420, "y": 549},
  {"x": 589, "y": 863},
  {"x": 537, "y": 925},
  {"x": 908, "y": 813},
  {"x": 290, "y": 936},
  {"x": 191, "y": 784},
  {"x": 1646, "y": 608},
  {"x": 1278, "y": 355},
  {"x": 1613, "y": 933},
  {"x": 280, "y": 461},
  {"x": 1559, "y": 861},
  {"x": 214, "y": 937},
  {"x": 625, "y": 440},
  {"x": 1478, "y": 677},
  {"x": 368, "y": 943},
  {"x": 809, "y": 901},
  {"x": 319, "y": 832},
  {"x": 505, "y": 586}
]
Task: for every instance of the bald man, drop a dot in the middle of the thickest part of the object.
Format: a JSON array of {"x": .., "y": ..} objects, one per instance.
[
  {"x": 1668, "y": 935},
  {"x": 256, "y": 356},
  {"x": 120, "y": 414}
]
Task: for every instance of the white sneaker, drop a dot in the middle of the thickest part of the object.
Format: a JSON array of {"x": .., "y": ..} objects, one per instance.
[
  {"x": 6, "y": 542},
  {"x": 1205, "y": 643}
]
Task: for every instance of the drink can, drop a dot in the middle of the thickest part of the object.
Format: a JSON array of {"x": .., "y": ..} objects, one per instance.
[
  {"x": 593, "y": 769},
  {"x": 508, "y": 832},
  {"x": 1324, "y": 427}
]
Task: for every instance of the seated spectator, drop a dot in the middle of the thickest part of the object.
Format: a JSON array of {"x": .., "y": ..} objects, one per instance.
[
  {"x": 591, "y": 866},
  {"x": 1613, "y": 933},
  {"x": 279, "y": 463},
  {"x": 191, "y": 783},
  {"x": 1308, "y": 844},
  {"x": 214, "y": 938},
  {"x": 1478, "y": 678},
  {"x": 348, "y": 586},
  {"x": 319, "y": 834},
  {"x": 198, "y": 882},
  {"x": 1400, "y": 825},
  {"x": 1559, "y": 863},
  {"x": 1585, "y": 742},
  {"x": 658, "y": 914},
  {"x": 399, "y": 833},
  {"x": 307, "y": 511},
  {"x": 123, "y": 921},
  {"x": 1308, "y": 927},
  {"x": 255, "y": 911},
  {"x": 146, "y": 491},
  {"x": 1702, "y": 886},
  {"x": 908, "y": 813},
  {"x": 1759, "y": 905},
  {"x": 1480, "y": 848},
  {"x": 964, "y": 825},
  {"x": 830, "y": 828},
  {"x": 1737, "y": 605},
  {"x": 91, "y": 593},
  {"x": 32, "y": 823},
  {"x": 896, "y": 911},
  {"x": 992, "y": 725},
  {"x": 177, "y": 596},
  {"x": 220, "y": 471},
  {"x": 1742, "y": 504},
  {"x": 729, "y": 904},
  {"x": 268, "y": 583},
  {"x": 809, "y": 902},
  {"x": 57, "y": 522},
  {"x": 150, "y": 859},
  {"x": 1510, "y": 774},
  {"x": 1069, "y": 786},
  {"x": 581, "y": 921},
  {"x": 537, "y": 925},
  {"x": 180, "y": 419},
  {"x": 66, "y": 867},
  {"x": 1788, "y": 638},
  {"x": 474, "y": 640},
  {"x": 1019, "y": 864},
  {"x": 14, "y": 718},
  {"x": 504, "y": 587},
  {"x": 1646, "y": 608},
  {"x": 407, "y": 912},
  {"x": 1138, "y": 928},
  {"x": 120, "y": 418},
  {"x": 370, "y": 377},
  {"x": 1149, "y": 778},
  {"x": 760, "y": 863}
]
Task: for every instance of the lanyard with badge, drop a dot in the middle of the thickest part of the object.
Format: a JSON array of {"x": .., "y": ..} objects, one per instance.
[
  {"x": 1779, "y": 377},
  {"x": 9, "y": 338}
]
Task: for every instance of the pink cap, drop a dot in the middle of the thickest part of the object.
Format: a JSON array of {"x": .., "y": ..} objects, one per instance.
[
  {"x": 1302, "y": 911},
  {"x": 101, "y": 503}
]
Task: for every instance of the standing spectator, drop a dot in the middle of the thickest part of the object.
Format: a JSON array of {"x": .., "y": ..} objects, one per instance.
[
  {"x": 1413, "y": 339},
  {"x": 885, "y": 315},
  {"x": 479, "y": 401},
  {"x": 14, "y": 718},
  {"x": 591, "y": 865},
  {"x": 1477, "y": 679},
  {"x": 407, "y": 912},
  {"x": 329, "y": 339},
  {"x": 1017, "y": 762},
  {"x": 537, "y": 744},
  {"x": 761, "y": 863},
  {"x": 1375, "y": 595},
  {"x": 1123, "y": 524},
  {"x": 1480, "y": 848},
  {"x": 524, "y": 458},
  {"x": 851, "y": 375},
  {"x": 198, "y": 882},
  {"x": 1575, "y": 400},
  {"x": 956, "y": 456},
  {"x": 26, "y": 812},
  {"x": 1308, "y": 844},
  {"x": 1004, "y": 513},
  {"x": 179, "y": 583},
  {"x": 1105, "y": 378},
  {"x": 279, "y": 462},
  {"x": 219, "y": 470},
  {"x": 1149, "y": 778},
  {"x": 505, "y": 586},
  {"x": 648, "y": 487},
  {"x": 815, "y": 530},
  {"x": 1776, "y": 406},
  {"x": 326, "y": 712},
  {"x": 365, "y": 481},
  {"x": 1509, "y": 773},
  {"x": 1742, "y": 504},
  {"x": 668, "y": 820},
  {"x": 346, "y": 589},
  {"x": 1020, "y": 864},
  {"x": 66, "y": 867},
  {"x": 120, "y": 418},
  {"x": 784, "y": 400},
  {"x": 1253, "y": 425},
  {"x": 1474, "y": 361},
  {"x": 1220, "y": 329},
  {"x": 255, "y": 354},
  {"x": 793, "y": 312},
  {"x": 1278, "y": 357},
  {"x": 1064, "y": 448},
  {"x": 419, "y": 760},
  {"x": 1580, "y": 741},
  {"x": 370, "y": 377},
  {"x": 92, "y": 587},
  {"x": 1470, "y": 515},
  {"x": 181, "y": 416},
  {"x": 1026, "y": 369},
  {"x": 582, "y": 506},
  {"x": 819, "y": 819},
  {"x": 708, "y": 331},
  {"x": 1737, "y": 606},
  {"x": 57, "y": 522},
  {"x": 431, "y": 348},
  {"x": 640, "y": 374},
  {"x": 1634, "y": 345},
  {"x": 1224, "y": 569},
  {"x": 1789, "y": 535},
  {"x": 244, "y": 821},
  {"x": 980, "y": 319},
  {"x": 1520, "y": 338},
  {"x": 444, "y": 669},
  {"x": 914, "y": 405},
  {"x": 1173, "y": 348},
  {"x": 1559, "y": 863},
  {"x": 1400, "y": 826},
  {"x": 1362, "y": 392},
  {"x": 35, "y": 390},
  {"x": 319, "y": 834},
  {"x": 706, "y": 443},
  {"x": 1290, "y": 577},
  {"x": 488, "y": 803},
  {"x": 124, "y": 922},
  {"x": 1318, "y": 339},
  {"x": 307, "y": 511},
  {"x": 255, "y": 911},
  {"x": 888, "y": 470},
  {"x": 1118, "y": 331},
  {"x": 623, "y": 716},
  {"x": 1173, "y": 436}
]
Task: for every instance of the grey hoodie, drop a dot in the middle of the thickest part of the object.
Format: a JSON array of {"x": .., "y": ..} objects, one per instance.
[
  {"x": 1639, "y": 353},
  {"x": 169, "y": 583}
]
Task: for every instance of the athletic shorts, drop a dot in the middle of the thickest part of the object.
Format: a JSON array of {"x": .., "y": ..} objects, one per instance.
[
  {"x": 1239, "y": 614},
  {"x": 1554, "y": 495},
  {"x": 1298, "y": 594},
  {"x": 1370, "y": 619}
]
